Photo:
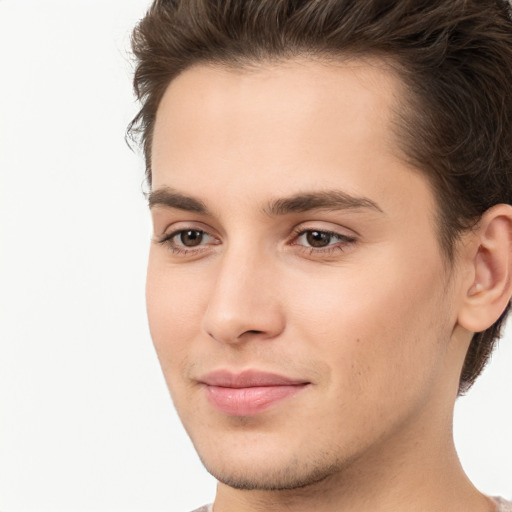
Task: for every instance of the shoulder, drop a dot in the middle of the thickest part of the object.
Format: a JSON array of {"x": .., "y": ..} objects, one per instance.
[{"x": 503, "y": 505}]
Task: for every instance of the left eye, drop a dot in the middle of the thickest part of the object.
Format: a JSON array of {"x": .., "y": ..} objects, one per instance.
[{"x": 319, "y": 239}]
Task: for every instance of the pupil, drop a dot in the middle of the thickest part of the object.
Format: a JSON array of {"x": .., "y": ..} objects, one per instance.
[
  {"x": 191, "y": 238},
  {"x": 318, "y": 239}
]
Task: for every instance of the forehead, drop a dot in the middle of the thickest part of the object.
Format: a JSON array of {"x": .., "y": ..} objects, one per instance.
[
  {"x": 300, "y": 101},
  {"x": 282, "y": 128}
]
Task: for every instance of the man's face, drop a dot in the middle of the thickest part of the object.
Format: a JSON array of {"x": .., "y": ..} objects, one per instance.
[{"x": 297, "y": 296}]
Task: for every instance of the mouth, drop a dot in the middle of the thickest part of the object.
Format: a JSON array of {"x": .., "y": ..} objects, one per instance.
[{"x": 250, "y": 392}]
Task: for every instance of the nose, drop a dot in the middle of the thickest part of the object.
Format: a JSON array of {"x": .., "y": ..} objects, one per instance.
[{"x": 244, "y": 299}]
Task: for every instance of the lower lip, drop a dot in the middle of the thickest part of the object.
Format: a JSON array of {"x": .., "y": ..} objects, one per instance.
[{"x": 249, "y": 401}]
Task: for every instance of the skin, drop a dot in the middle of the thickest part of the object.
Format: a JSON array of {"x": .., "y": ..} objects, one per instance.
[{"x": 372, "y": 321}]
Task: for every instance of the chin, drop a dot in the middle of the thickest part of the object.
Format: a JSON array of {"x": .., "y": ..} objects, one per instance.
[
  {"x": 269, "y": 472},
  {"x": 269, "y": 482}
]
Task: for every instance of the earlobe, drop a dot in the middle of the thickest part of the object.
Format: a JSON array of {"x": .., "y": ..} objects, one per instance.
[{"x": 488, "y": 293}]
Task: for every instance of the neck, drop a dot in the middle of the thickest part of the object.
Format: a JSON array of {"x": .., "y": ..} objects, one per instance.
[{"x": 408, "y": 472}]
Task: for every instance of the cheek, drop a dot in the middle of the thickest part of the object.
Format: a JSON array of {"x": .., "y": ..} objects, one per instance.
[
  {"x": 175, "y": 303},
  {"x": 376, "y": 325}
]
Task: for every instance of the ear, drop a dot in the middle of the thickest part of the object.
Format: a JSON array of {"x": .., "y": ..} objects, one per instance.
[{"x": 488, "y": 287}]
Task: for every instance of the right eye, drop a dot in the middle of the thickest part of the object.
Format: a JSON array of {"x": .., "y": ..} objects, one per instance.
[
  {"x": 187, "y": 240},
  {"x": 189, "y": 237}
]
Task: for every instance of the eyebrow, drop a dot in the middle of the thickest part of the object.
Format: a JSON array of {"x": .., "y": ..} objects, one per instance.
[
  {"x": 173, "y": 199},
  {"x": 321, "y": 200},
  {"x": 297, "y": 203}
]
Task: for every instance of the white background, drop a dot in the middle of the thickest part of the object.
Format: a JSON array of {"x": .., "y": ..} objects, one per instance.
[{"x": 86, "y": 423}]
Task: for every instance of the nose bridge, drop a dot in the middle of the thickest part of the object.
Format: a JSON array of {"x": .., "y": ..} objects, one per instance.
[{"x": 243, "y": 299}]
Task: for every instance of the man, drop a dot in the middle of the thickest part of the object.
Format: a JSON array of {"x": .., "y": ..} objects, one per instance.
[{"x": 330, "y": 186}]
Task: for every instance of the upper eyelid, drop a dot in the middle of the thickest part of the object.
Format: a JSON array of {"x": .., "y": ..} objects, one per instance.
[
  {"x": 305, "y": 225},
  {"x": 326, "y": 231},
  {"x": 340, "y": 231},
  {"x": 341, "y": 239},
  {"x": 166, "y": 237},
  {"x": 179, "y": 226}
]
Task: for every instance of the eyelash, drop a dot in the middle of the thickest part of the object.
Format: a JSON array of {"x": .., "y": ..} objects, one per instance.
[
  {"x": 327, "y": 250},
  {"x": 167, "y": 241}
]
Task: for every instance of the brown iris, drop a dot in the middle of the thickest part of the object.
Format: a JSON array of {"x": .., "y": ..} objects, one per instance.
[
  {"x": 318, "y": 238},
  {"x": 191, "y": 237}
]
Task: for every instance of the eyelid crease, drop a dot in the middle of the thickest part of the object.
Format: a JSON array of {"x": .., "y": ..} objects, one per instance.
[{"x": 306, "y": 227}]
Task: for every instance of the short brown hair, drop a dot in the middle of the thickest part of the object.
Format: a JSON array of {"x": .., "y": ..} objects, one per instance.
[{"x": 454, "y": 56}]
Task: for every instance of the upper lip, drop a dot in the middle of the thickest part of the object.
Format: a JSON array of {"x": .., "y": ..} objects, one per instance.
[{"x": 248, "y": 379}]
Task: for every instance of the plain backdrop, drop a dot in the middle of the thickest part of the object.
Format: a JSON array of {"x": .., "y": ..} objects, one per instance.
[{"x": 86, "y": 423}]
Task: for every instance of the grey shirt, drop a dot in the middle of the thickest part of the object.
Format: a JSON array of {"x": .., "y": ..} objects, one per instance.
[{"x": 503, "y": 506}]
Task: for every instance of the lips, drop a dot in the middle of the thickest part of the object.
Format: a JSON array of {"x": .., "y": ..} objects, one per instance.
[{"x": 250, "y": 392}]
